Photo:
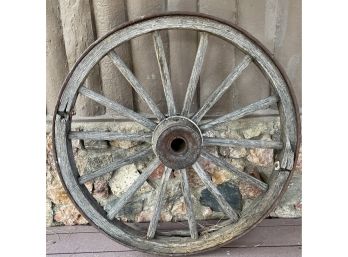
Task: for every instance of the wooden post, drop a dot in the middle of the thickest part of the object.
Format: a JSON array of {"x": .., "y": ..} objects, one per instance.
[
  {"x": 220, "y": 58},
  {"x": 183, "y": 47},
  {"x": 56, "y": 62},
  {"x": 78, "y": 35},
  {"x": 145, "y": 66},
  {"x": 109, "y": 14},
  {"x": 252, "y": 85},
  {"x": 288, "y": 43}
]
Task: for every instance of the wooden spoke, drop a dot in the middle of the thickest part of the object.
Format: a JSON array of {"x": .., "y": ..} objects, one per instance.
[
  {"x": 115, "y": 165},
  {"x": 117, "y": 107},
  {"x": 164, "y": 71},
  {"x": 159, "y": 203},
  {"x": 133, "y": 188},
  {"x": 196, "y": 71},
  {"x": 188, "y": 202},
  {"x": 259, "y": 105},
  {"x": 247, "y": 143},
  {"x": 218, "y": 93},
  {"x": 229, "y": 167},
  {"x": 225, "y": 206},
  {"x": 128, "y": 74},
  {"x": 97, "y": 135}
]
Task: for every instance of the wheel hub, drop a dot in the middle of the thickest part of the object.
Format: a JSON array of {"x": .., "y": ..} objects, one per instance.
[{"x": 177, "y": 141}]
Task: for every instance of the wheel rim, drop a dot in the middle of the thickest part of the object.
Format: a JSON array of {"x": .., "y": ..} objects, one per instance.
[{"x": 194, "y": 124}]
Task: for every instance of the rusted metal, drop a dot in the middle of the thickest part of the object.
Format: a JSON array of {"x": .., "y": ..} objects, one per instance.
[{"x": 177, "y": 141}]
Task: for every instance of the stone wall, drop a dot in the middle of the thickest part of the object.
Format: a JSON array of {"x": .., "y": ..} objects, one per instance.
[{"x": 90, "y": 155}]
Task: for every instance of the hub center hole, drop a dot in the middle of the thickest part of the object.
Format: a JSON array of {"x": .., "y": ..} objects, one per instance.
[{"x": 178, "y": 145}]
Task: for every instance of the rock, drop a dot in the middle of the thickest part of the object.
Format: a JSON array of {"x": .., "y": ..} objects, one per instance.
[
  {"x": 249, "y": 191},
  {"x": 290, "y": 205},
  {"x": 49, "y": 213},
  {"x": 144, "y": 216},
  {"x": 123, "y": 144},
  {"x": 133, "y": 207},
  {"x": 219, "y": 176},
  {"x": 123, "y": 178},
  {"x": 206, "y": 212},
  {"x": 69, "y": 215},
  {"x": 166, "y": 216},
  {"x": 237, "y": 152},
  {"x": 157, "y": 173},
  {"x": 255, "y": 130},
  {"x": 179, "y": 209},
  {"x": 229, "y": 191},
  {"x": 261, "y": 157},
  {"x": 101, "y": 189}
]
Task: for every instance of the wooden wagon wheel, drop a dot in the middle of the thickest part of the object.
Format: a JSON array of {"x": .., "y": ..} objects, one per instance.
[{"x": 176, "y": 139}]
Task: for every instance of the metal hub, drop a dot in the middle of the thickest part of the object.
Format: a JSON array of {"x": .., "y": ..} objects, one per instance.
[{"x": 177, "y": 141}]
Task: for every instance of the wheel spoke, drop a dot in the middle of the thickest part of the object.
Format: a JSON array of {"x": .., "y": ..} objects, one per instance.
[
  {"x": 259, "y": 105},
  {"x": 97, "y": 135},
  {"x": 117, "y": 107},
  {"x": 218, "y": 93},
  {"x": 229, "y": 167},
  {"x": 196, "y": 71},
  {"x": 159, "y": 203},
  {"x": 128, "y": 74},
  {"x": 164, "y": 71},
  {"x": 225, "y": 206},
  {"x": 115, "y": 165},
  {"x": 188, "y": 202},
  {"x": 133, "y": 188},
  {"x": 247, "y": 143}
]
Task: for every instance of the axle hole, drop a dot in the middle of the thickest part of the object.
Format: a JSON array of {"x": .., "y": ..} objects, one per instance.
[{"x": 178, "y": 145}]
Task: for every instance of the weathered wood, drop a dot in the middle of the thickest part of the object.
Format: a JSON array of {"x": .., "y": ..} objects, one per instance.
[
  {"x": 287, "y": 48},
  {"x": 107, "y": 15},
  {"x": 188, "y": 202},
  {"x": 183, "y": 46},
  {"x": 218, "y": 93},
  {"x": 229, "y": 167},
  {"x": 78, "y": 35},
  {"x": 117, "y": 107},
  {"x": 133, "y": 188},
  {"x": 220, "y": 57},
  {"x": 145, "y": 66},
  {"x": 56, "y": 61},
  {"x": 128, "y": 74},
  {"x": 247, "y": 143},
  {"x": 160, "y": 196},
  {"x": 164, "y": 71},
  {"x": 171, "y": 245},
  {"x": 258, "y": 18},
  {"x": 225, "y": 206},
  {"x": 259, "y": 105},
  {"x": 113, "y": 166},
  {"x": 196, "y": 71},
  {"x": 100, "y": 135}
]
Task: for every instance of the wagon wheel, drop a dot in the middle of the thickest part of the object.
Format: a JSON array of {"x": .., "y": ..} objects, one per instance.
[{"x": 178, "y": 138}]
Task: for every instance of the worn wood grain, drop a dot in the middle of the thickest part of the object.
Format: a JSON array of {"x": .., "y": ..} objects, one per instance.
[
  {"x": 160, "y": 197},
  {"x": 100, "y": 135},
  {"x": 78, "y": 35},
  {"x": 107, "y": 15},
  {"x": 252, "y": 17},
  {"x": 117, "y": 107},
  {"x": 224, "y": 205},
  {"x": 225, "y": 85},
  {"x": 128, "y": 74},
  {"x": 247, "y": 143},
  {"x": 56, "y": 60},
  {"x": 188, "y": 203},
  {"x": 229, "y": 167},
  {"x": 164, "y": 71},
  {"x": 133, "y": 188},
  {"x": 220, "y": 57},
  {"x": 113, "y": 166},
  {"x": 195, "y": 73},
  {"x": 259, "y": 105},
  {"x": 145, "y": 65}
]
